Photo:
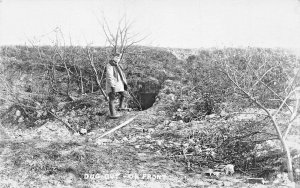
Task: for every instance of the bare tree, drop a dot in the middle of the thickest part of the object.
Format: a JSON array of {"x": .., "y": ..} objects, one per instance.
[
  {"x": 91, "y": 61},
  {"x": 120, "y": 41},
  {"x": 250, "y": 80},
  {"x": 122, "y": 38}
]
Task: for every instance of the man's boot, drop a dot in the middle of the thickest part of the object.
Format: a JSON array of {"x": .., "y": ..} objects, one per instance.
[
  {"x": 122, "y": 104},
  {"x": 112, "y": 110}
]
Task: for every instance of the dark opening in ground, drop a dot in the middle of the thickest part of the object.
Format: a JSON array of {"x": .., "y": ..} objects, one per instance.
[
  {"x": 145, "y": 92},
  {"x": 147, "y": 100},
  {"x": 142, "y": 101}
]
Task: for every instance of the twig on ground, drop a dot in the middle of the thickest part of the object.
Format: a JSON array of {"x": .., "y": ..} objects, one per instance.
[
  {"x": 65, "y": 123},
  {"x": 118, "y": 127},
  {"x": 243, "y": 171},
  {"x": 135, "y": 100}
]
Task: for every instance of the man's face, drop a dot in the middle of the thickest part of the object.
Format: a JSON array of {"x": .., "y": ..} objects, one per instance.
[{"x": 116, "y": 58}]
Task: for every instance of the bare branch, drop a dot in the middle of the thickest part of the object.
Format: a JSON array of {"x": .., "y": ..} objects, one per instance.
[
  {"x": 270, "y": 89},
  {"x": 65, "y": 123},
  {"x": 294, "y": 79},
  {"x": 121, "y": 41},
  {"x": 90, "y": 57},
  {"x": 287, "y": 130},
  {"x": 259, "y": 79},
  {"x": 118, "y": 127}
]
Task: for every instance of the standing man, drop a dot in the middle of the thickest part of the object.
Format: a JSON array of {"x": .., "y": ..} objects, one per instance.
[{"x": 115, "y": 84}]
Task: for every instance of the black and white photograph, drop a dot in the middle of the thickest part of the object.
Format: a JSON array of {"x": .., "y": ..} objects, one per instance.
[{"x": 149, "y": 93}]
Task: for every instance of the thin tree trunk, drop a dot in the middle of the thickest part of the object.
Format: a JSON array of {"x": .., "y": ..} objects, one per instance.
[
  {"x": 92, "y": 84},
  {"x": 69, "y": 77},
  {"x": 275, "y": 125},
  {"x": 81, "y": 82},
  {"x": 96, "y": 75},
  {"x": 286, "y": 150}
]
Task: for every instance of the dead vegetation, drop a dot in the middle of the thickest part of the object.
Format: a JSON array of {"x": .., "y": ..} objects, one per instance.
[{"x": 194, "y": 127}]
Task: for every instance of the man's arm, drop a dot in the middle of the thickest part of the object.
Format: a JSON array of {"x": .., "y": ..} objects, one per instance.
[{"x": 110, "y": 75}]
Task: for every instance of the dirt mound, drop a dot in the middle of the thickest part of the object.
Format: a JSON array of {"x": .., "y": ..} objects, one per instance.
[{"x": 54, "y": 131}]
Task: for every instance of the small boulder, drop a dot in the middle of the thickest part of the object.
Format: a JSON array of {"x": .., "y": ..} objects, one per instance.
[
  {"x": 18, "y": 113},
  {"x": 83, "y": 131},
  {"x": 21, "y": 119},
  {"x": 124, "y": 139},
  {"x": 229, "y": 169},
  {"x": 159, "y": 142},
  {"x": 211, "y": 116},
  {"x": 208, "y": 172}
]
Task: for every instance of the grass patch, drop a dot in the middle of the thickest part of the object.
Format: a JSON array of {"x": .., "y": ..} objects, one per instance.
[{"x": 58, "y": 158}]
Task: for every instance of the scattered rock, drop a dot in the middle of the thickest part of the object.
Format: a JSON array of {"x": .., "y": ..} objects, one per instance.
[
  {"x": 133, "y": 139},
  {"x": 217, "y": 174},
  {"x": 83, "y": 131},
  {"x": 173, "y": 125},
  {"x": 191, "y": 141},
  {"x": 18, "y": 113},
  {"x": 21, "y": 119},
  {"x": 229, "y": 169},
  {"x": 61, "y": 105},
  {"x": 208, "y": 172},
  {"x": 70, "y": 178},
  {"x": 45, "y": 113},
  {"x": 76, "y": 134},
  {"x": 211, "y": 116},
  {"x": 185, "y": 145},
  {"x": 224, "y": 114},
  {"x": 148, "y": 136},
  {"x": 171, "y": 97},
  {"x": 151, "y": 130},
  {"x": 166, "y": 122},
  {"x": 159, "y": 142},
  {"x": 91, "y": 133}
]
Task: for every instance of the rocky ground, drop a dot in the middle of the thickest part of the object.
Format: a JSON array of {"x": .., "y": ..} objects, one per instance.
[
  {"x": 51, "y": 156},
  {"x": 167, "y": 145},
  {"x": 150, "y": 151}
]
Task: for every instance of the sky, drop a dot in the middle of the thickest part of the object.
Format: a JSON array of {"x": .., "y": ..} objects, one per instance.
[{"x": 164, "y": 23}]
